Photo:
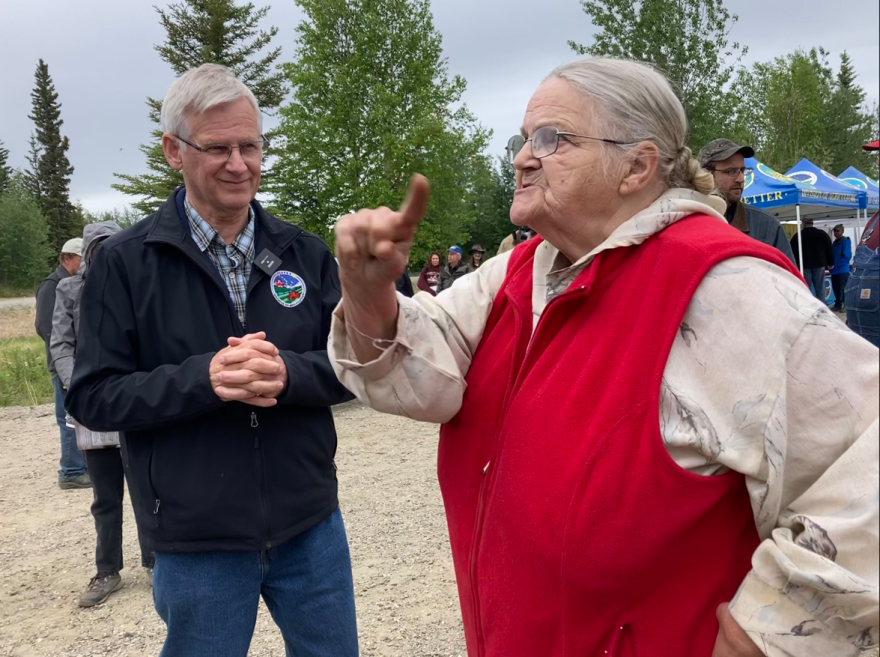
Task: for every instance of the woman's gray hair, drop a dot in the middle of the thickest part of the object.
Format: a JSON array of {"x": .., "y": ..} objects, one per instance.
[
  {"x": 197, "y": 91},
  {"x": 635, "y": 104}
]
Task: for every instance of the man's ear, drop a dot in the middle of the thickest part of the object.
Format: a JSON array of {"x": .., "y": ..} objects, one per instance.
[
  {"x": 643, "y": 161},
  {"x": 172, "y": 148}
]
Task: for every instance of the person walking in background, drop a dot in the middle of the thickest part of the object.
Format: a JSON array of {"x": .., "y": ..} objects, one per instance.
[
  {"x": 862, "y": 295},
  {"x": 520, "y": 235},
  {"x": 818, "y": 256},
  {"x": 102, "y": 454},
  {"x": 455, "y": 268},
  {"x": 72, "y": 472},
  {"x": 725, "y": 160},
  {"x": 477, "y": 255},
  {"x": 843, "y": 254},
  {"x": 228, "y": 437}
]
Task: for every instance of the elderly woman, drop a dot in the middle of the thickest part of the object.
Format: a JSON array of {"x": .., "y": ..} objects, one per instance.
[{"x": 632, "y": 438}]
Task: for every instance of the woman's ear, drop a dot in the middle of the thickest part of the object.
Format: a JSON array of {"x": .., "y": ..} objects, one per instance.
[{"x": 644, "y": 160}]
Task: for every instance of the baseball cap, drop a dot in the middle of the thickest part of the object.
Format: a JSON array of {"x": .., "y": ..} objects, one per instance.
[
  {"x": 74, "y": 246},
  {"x": 721, "y": 149},
  {"x": 456, "y": 249}
]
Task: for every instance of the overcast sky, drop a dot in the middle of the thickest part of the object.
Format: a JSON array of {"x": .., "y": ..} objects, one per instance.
[{"x": 101, "y": 57}]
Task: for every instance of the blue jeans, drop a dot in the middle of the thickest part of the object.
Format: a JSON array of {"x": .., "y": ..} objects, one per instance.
[
  {"x": 816, "y": 280},
  {"x": 863, "y": 295},
  {"x": 209, "y": 600},
  {"x": 72, "y": 462}
]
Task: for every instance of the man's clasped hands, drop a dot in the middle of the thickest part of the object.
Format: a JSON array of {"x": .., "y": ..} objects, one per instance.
[{"x": 249, "y": 370}]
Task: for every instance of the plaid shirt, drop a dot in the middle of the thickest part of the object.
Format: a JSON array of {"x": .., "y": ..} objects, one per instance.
[{"x": 233, "y": 261}]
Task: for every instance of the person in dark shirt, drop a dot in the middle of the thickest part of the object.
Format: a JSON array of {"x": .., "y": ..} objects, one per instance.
[
  {"x": 455, "y": 268},
  {"x": 429, "y": 278},
  {"x": 818, "y": 254}
]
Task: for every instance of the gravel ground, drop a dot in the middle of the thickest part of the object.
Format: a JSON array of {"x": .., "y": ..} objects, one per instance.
[{"x": 404, "y": 582}]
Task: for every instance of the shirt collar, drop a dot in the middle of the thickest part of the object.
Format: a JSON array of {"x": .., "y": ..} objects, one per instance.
[{"x": 204, "y": 233}]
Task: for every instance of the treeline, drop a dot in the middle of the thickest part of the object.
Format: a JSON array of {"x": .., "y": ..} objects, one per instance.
[{"x": 367, "y": 98}]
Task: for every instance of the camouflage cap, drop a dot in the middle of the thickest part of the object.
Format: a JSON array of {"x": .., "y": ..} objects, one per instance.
[{"x": 721, "y": 149}]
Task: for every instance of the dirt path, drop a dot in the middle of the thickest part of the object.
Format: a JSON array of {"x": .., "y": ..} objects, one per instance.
[{"x": 406, "y": 597}]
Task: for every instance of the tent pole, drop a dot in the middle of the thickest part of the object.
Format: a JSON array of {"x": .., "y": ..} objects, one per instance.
[
  {"x": 800, "y": 241},
  {"x": 859, "y": 222}
]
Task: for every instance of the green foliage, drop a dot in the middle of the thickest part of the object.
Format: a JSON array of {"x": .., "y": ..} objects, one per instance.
[
  {"x": 200, "y": 32},
  {"x": 23, "y": 377},
  {"x": 50, "y": 169},
  {"x": 688, "y": 40},
  {"x": 373, "y": 102},
  {"x": 796, "y": 107},
  {"x": 5, "y": 169},
  {"x": 24, "y": 248},
  {"x": 495, "y": 188}
]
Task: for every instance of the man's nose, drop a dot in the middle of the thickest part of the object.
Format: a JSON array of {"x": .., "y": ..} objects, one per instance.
[{"x": 236, "y": 162}]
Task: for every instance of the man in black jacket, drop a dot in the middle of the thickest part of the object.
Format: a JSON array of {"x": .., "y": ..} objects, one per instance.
[
  {"x": 818, "y": 256},
  {"x": 72, "y": 467},
  {"x": 205, "y": 343}
]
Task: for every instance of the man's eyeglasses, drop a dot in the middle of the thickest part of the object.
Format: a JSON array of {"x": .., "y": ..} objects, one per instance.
[
  {"x": 545, "y": 142},
  {"x": 733, "y": 173},
  {"x": 250, "y": 150}
]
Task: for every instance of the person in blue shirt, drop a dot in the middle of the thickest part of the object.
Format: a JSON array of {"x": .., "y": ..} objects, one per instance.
[{"x": 840, "y": 272}]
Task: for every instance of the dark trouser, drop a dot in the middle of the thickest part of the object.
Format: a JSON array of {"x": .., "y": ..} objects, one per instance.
[
  {"x": 838, "y": 283},
  {"x": 105, "y": 470}
]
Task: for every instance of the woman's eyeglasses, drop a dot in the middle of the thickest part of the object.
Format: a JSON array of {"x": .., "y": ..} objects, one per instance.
[{"x": 545, "y": 142}]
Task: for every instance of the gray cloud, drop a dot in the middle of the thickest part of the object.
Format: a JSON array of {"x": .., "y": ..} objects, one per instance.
[{"x": 101, "y": 57}]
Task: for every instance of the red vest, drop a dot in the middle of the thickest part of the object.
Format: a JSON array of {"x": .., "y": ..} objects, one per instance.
[{"x": 573, "y": 531}]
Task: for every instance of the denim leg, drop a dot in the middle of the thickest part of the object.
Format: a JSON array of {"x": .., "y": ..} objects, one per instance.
[
  {"x": 307, "y": 586},
  {"x": 105, "y": 471},
  {"x": 208, "y": 601},
  {"x": 816, "y": 278},
  {"x": 72, "y": 462}
]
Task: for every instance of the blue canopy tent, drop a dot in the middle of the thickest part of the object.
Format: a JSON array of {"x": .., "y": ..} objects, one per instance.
[
  {"x": 856, "y": 178},
  {"x": 787, "y": 198}
]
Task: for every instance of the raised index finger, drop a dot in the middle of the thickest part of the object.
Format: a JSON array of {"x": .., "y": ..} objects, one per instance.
[{"x": 413, "y": 209}]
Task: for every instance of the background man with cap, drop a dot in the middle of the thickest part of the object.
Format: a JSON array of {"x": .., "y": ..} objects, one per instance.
[
  {"x": 843, "y": 254},
  {"x": 72, "y": 472},
  {"x": 726, "y": 161},
  {"x": 455, "y": 268}
]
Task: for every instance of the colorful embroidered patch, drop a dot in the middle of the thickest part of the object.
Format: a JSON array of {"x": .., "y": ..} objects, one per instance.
[{"x": 288, "y": 288}]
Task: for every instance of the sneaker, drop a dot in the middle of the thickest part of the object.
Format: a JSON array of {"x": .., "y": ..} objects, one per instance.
[
  {"x": 100, "y": 589},
  {"x": 83, "y": 481}
]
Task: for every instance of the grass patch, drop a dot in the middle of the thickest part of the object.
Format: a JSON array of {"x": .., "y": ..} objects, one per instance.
[
  {"x": 7, "y": 292},
  {"x": 24, "y": 380}
]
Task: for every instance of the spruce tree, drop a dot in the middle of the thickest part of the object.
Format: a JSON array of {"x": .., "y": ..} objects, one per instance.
[
  {"x": 199, "y": 32},
  {"x": 50, "y": 168},
  {"x": 5, "y": 169}
]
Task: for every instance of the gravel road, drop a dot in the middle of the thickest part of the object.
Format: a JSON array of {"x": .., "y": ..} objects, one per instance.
[
  {"x": 24, "y": 302},
  {"x": 404, "y": 582}
]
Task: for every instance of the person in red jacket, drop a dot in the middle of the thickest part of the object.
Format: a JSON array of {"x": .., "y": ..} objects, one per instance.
[{"x": 636, "y": 458}]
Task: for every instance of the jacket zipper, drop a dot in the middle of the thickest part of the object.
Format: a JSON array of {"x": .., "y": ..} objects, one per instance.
[
  {"x": 484, "y": 484},
  {"x": 261, "y": 479}
]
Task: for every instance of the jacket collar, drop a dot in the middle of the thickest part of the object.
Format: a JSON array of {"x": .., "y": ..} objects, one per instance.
[{"x": 171, "y": 226}]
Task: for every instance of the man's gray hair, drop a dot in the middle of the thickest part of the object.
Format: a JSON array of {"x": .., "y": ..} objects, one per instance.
[
  {"x": 635, "y": 104},
  {"x": 197, "y": 91}
]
